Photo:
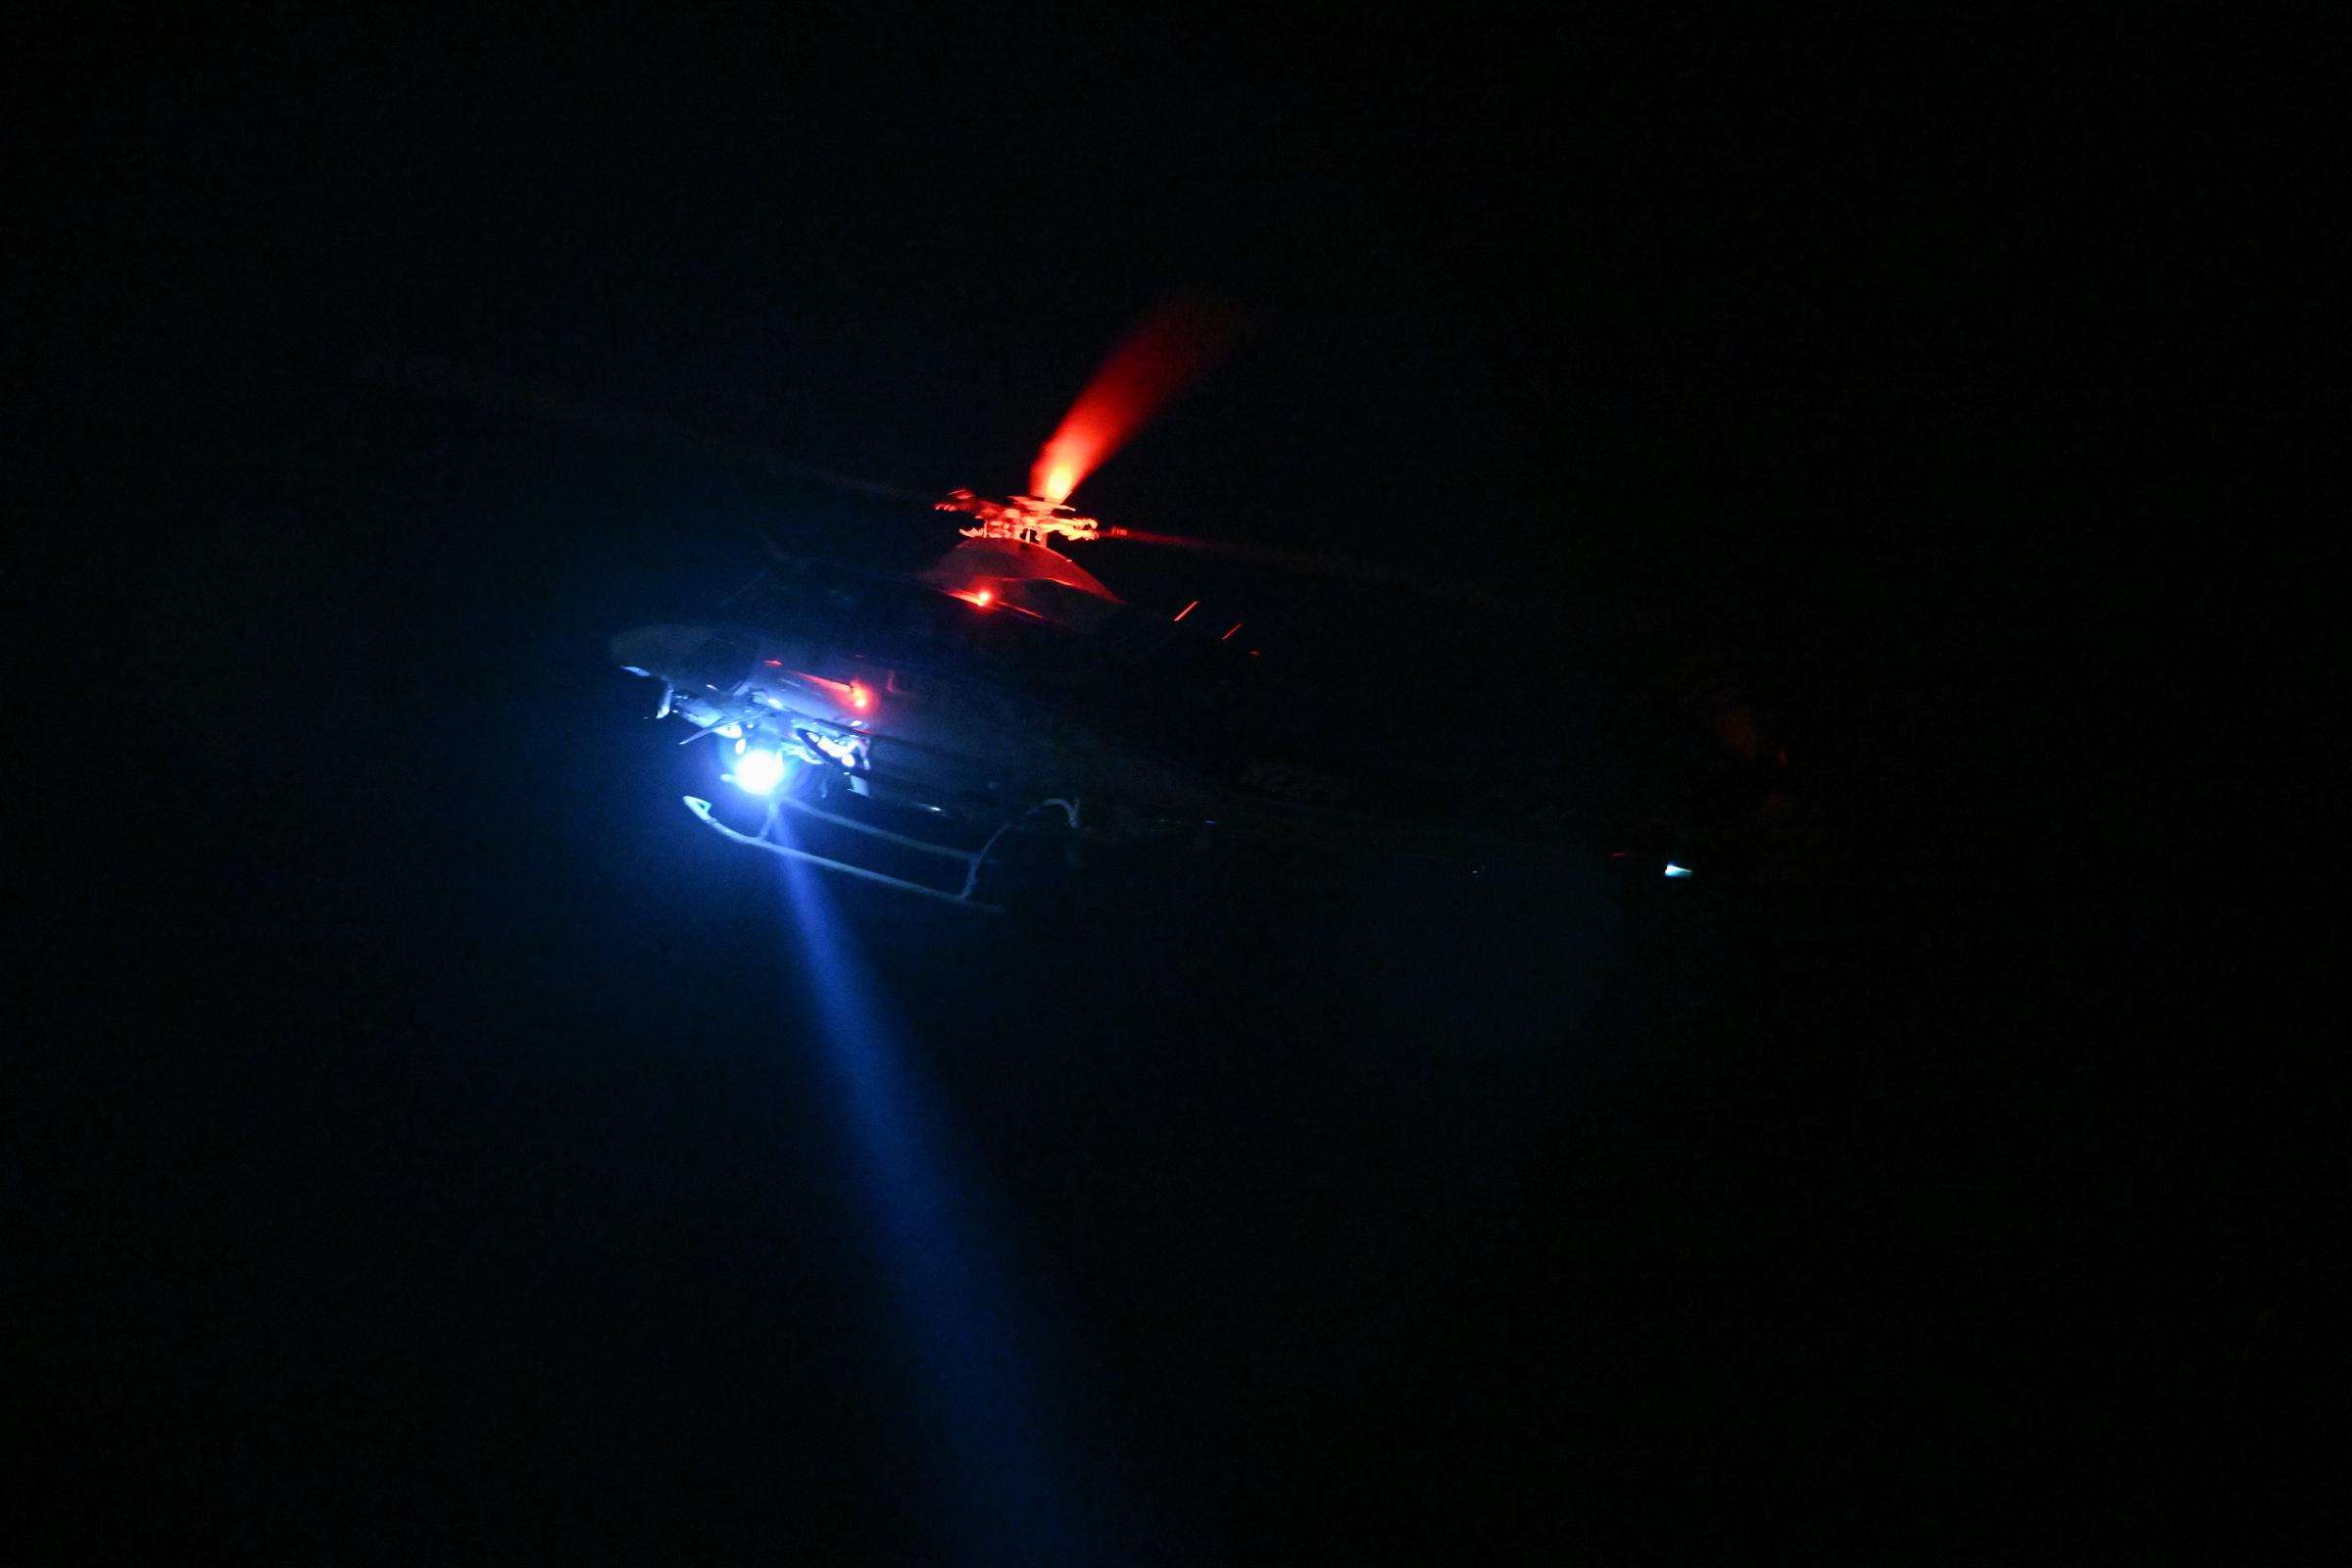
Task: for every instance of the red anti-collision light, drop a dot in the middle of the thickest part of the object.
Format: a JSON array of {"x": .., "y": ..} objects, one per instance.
[{"x": 1149, "y": 367}]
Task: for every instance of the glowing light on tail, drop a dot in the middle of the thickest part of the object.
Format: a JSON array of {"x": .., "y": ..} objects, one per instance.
[{"x": 1174, "y": 344}]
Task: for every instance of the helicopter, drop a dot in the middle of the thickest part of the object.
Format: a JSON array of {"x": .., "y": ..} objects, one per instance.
[
  {"x": 877, "y": 724},
  {"x": 967, "y": 733}
]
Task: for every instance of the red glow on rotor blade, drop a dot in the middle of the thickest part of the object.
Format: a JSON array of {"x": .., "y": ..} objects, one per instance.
[
  {"x": 1174, "y": 344},
  {"x": 1188, "y": 609}
]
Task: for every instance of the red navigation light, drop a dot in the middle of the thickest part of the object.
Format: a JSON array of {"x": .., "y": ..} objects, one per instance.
[{"x": 849, "y": 692}]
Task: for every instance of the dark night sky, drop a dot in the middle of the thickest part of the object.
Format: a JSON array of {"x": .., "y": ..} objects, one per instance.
[{"x": 427, "y": 1140}]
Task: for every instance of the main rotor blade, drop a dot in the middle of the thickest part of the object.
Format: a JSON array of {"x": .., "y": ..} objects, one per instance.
[
  {"x": 1419, "y": 581},
  {"x": 547, "y": 401}
]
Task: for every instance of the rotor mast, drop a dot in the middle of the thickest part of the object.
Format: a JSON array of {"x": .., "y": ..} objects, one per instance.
[{"x": 1027, "y": 519}]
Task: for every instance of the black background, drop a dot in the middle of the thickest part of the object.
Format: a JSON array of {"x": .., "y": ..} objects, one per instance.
[{"x": 426, "y": 1139}]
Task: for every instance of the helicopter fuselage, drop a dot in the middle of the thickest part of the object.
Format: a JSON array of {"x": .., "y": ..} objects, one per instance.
[
  {"x": 960, "y": 704},
  {"x": 938, "y": 714}
]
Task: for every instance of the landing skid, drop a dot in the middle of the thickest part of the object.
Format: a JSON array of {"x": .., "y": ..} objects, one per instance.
[{"x": 972, "y": 861}]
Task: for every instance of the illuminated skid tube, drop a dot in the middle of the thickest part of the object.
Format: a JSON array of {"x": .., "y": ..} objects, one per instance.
[{"x": 971, "y": 859}]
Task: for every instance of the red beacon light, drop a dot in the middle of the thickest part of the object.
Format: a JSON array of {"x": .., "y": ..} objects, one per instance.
[{"x": 853, "y": 694}]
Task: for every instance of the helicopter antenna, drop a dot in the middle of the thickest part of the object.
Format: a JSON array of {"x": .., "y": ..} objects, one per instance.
[{"x": 1030, "y": 519}]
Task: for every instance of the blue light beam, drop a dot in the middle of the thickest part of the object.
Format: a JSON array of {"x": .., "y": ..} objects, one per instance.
[{"x": 990, "y": 1412}]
